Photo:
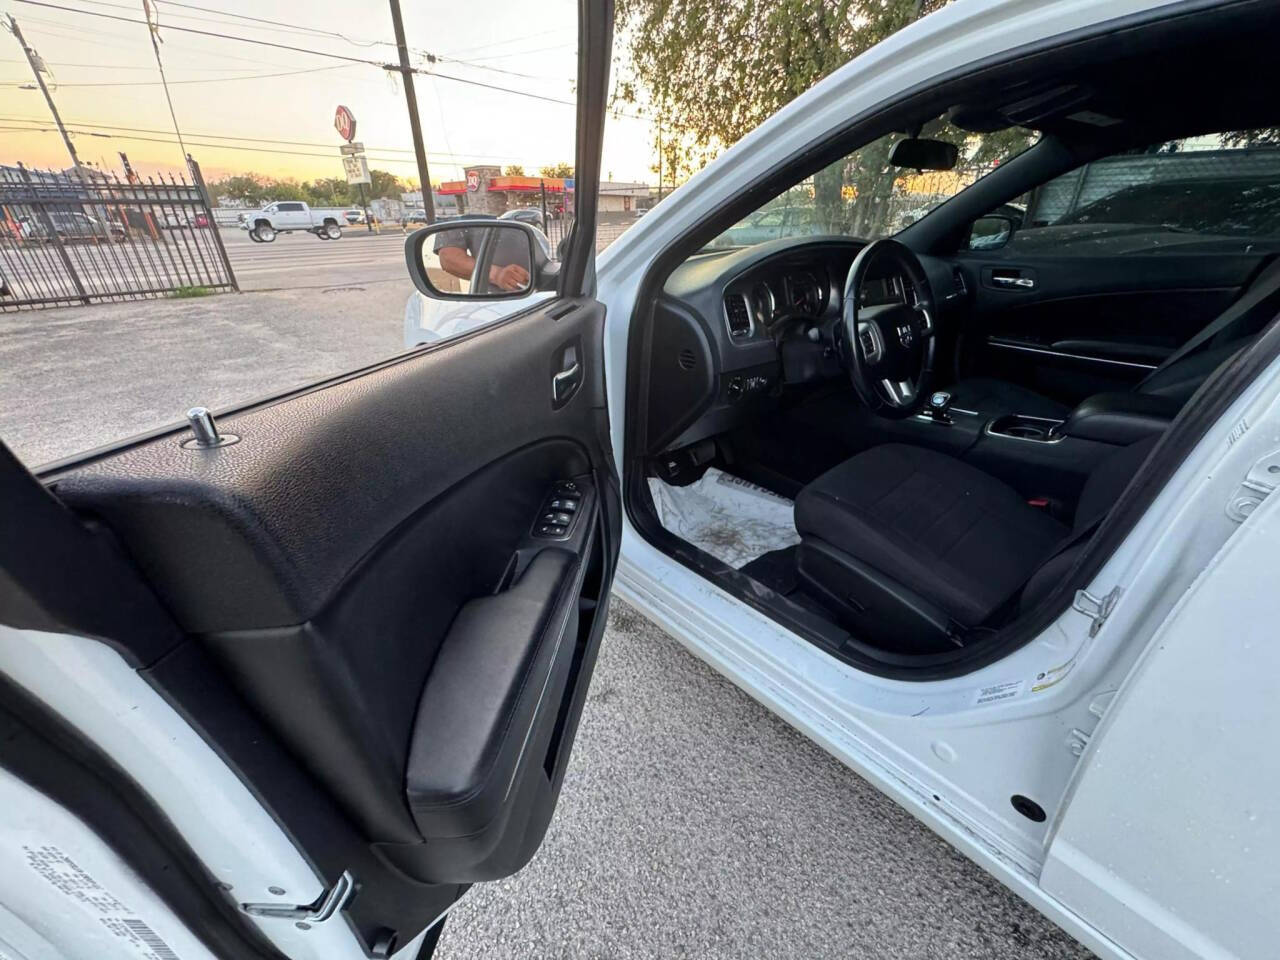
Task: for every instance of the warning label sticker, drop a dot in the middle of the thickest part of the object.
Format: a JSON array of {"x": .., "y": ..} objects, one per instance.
[
  {"x": 997, "y": 693},
  {"x": 66, "y": 876}
]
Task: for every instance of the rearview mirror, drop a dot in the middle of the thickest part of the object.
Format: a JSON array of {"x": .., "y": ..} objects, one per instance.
[
  {"x": 924, "y": 154},
  {"x": 479, "y": 259},
  {"x": 990, "y": 232}
]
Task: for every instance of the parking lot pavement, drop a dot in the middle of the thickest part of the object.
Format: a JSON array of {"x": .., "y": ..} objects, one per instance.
[{"x": 693, "y": 823}]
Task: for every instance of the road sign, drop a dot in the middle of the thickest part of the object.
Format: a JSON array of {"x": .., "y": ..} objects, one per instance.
[
  {"x": 357, "y": 169},
  {"x": 352, "y": 149},
  {"x": 344, "y": 121}
]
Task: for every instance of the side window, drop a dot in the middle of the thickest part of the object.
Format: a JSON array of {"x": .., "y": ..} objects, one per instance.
[
  {"x": 116, "y": 268},
  {"x": 1215, "y": 193}
]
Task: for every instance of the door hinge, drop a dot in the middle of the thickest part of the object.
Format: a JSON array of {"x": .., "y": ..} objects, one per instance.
[
  {"x": 1262, "y": 478},
  {"x": 324, "y": 906},
  {"x": 1077, "y": 739},
  {"x": 1096, "y": 608}
]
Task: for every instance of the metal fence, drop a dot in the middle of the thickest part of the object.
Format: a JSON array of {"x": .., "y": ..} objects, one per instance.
[{"x": 76, "y": 237}]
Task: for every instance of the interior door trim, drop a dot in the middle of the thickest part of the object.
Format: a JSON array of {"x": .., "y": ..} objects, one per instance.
[{"x": 1001, "y": 344}]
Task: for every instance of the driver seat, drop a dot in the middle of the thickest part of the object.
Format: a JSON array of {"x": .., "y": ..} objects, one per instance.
[{"x": 912, "y": 547}]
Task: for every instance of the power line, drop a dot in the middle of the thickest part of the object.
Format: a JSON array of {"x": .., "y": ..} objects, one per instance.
[
  {"x": 77, "y": 124},
  {"x": 293, "y": 28},
  {"x": 334, "y": 56},
  {"x": 205, "y": 33},
  {"x": 156, "y": 83}
]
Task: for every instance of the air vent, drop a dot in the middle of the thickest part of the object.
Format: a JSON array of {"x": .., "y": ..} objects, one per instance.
[
  {"x": 961, "y": 288},
  {"x": 737, "y": 316},
  {"x": 687, "y": 359}
]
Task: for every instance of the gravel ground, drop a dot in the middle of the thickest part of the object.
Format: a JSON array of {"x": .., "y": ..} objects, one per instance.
[{"x": 695, "y": 824}]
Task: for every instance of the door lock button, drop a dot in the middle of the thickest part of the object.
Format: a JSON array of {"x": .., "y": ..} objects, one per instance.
[{"x": 551, "y": 530}]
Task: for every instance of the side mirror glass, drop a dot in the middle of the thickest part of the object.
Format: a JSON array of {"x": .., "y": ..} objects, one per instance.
[
  {"x": 920, "y": 154},
  {"x": 479, "y": 259},
  {"x": 990, "y": 232}
]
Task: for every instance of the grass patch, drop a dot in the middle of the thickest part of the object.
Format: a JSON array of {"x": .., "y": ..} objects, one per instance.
[{"x": 186, "y": 293}]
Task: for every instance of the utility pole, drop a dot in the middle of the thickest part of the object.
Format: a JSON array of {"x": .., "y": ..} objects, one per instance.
[
  {"x": 33, "y": 58},
  {"x": 415, "y": 125}
]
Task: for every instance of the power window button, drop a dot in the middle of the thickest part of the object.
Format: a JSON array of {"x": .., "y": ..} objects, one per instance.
[
  {"x": 563, "y": 503},
  {"x": 550, "y": 530},
  {"x": 559, "y": 519}
]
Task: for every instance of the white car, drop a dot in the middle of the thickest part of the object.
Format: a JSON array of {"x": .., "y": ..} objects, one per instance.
[
  {"x": 287, "y": 216},
  {"x": 992, "y": 526}
]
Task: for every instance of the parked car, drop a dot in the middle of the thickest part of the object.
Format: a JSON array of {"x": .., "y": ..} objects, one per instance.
[
  {"x": 525, "y": 215},
  {"x": 354, "y": 216},
  {"x": 71, "y": 225},
  {"x": 288, "y": 216},
  {"x": 770, "y": 224}
]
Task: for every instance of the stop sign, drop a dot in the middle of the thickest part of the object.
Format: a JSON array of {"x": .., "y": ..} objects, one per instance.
[{"x": 344, "y": 122}]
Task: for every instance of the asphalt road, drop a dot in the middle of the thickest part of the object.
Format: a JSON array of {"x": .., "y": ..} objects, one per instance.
[{"x": 692, "y": 823}]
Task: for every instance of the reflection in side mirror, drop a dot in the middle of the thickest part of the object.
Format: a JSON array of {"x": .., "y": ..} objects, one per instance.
[
  {"x": 990, "y": 232},
  {"x": 920, "y": 154},
  {"x": 479, "y": 259}
]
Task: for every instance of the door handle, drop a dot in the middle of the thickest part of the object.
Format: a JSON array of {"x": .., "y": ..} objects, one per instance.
[
  {"x": 565, "y": 383},
  {"x": 1020, "y": 283}
]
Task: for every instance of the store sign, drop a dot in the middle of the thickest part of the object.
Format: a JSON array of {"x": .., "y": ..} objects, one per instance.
[
  {"x": 473, "y": 181},
  {"x": 357, "y": 169},
  {"x": 344, "y": 122}
]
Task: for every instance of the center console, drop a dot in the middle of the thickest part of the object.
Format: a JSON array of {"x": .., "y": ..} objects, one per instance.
[{"x": 1044, "y": 459}]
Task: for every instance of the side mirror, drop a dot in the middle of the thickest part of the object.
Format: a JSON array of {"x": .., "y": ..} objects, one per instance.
[
  {"x": 479, "y": 260},
  {"x": 990, "y": 232},
  {"x": 920, "y": 154}
]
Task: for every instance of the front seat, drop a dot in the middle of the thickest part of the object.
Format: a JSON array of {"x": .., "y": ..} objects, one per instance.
[
  {"x": 1177, "y": 378},
  {"x": 913, "y": 549}
]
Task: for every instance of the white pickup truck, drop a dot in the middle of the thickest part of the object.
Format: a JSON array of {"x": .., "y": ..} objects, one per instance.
[{"x": 286, "y": 216}]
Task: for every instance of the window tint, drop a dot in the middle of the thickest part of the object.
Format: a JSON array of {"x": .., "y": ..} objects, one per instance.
[
  {"x": 1204, "y": 194},
  {"x": 290, "y": 207},
  {"x": 864, "y": 196}
]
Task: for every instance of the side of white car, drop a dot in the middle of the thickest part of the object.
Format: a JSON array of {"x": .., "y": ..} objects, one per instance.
[{"x": 1150, "y": 856}]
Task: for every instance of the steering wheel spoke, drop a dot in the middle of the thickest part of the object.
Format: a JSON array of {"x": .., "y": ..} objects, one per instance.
[{"x": 890, "y": 345}]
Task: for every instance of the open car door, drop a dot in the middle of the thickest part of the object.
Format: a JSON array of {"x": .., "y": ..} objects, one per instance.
[{"x": 310, "y": 680}]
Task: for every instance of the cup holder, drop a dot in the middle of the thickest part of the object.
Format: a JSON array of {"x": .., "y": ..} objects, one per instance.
[{"x": 1017, "y": 427}]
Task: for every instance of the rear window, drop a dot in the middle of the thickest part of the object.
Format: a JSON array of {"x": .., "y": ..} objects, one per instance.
[{"x": 1214, "y": 193}]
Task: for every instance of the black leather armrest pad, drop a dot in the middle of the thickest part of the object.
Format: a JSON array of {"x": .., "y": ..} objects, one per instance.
[
  {"x": 481, "y": 696},
  {"x": 1120, "y": 418}
]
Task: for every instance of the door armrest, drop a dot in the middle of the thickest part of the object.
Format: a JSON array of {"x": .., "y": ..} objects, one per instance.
[{"x": 498, "y": 680}]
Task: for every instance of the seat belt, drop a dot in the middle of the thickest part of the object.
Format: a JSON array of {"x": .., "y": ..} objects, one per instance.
[{"x": 1264, "y": 285}]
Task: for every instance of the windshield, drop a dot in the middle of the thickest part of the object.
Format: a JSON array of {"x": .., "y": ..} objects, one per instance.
[{"x": 862, "y": 195}]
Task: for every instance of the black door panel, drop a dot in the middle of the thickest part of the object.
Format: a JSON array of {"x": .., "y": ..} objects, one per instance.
[
  {"x": 1071, "y": 326},
  {"x": 368, "y": 582}
]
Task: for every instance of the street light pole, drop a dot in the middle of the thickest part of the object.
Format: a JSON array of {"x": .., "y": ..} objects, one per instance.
[
  {"x": 31, "y": 59},
  {"x": 415, "y": 125}
]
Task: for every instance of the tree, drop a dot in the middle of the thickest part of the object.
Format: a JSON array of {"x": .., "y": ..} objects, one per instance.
[
  {"x": 710, "y": 71},
  {"x": 558, "y": 170},
  {"x": 384, "y": 185},
  {"x": 513, "y": 170}
]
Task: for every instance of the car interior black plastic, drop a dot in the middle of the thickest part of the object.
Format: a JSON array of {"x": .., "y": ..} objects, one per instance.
[{"x": 1121, "y": 418}]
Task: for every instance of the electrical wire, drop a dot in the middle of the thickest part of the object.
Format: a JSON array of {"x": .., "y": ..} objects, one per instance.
[{"x": 156, "y": 83}]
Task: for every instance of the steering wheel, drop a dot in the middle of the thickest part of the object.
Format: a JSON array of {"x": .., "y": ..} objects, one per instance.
[{"x": 887, "y": 327}]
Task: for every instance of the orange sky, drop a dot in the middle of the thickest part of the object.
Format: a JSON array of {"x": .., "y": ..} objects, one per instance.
[{"x": 105, "y": 84}]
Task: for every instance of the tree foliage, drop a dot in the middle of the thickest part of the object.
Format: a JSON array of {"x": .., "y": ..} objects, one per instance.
[
  {"x": 710, "y": 71},
  {"x": 254, "y": 189},
  {"x": 513, "y": 170},
  {"x": 560, "y": 170}
]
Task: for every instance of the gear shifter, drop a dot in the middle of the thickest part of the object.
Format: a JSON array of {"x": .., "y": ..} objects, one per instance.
[{"x": 939, "y": 404}]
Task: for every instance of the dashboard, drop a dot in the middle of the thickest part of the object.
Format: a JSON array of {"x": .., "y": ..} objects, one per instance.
[{"x": 744, "y": 325}]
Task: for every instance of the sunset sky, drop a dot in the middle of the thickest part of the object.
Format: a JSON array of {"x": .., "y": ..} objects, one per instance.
[{"x": 106, "y": 86}]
